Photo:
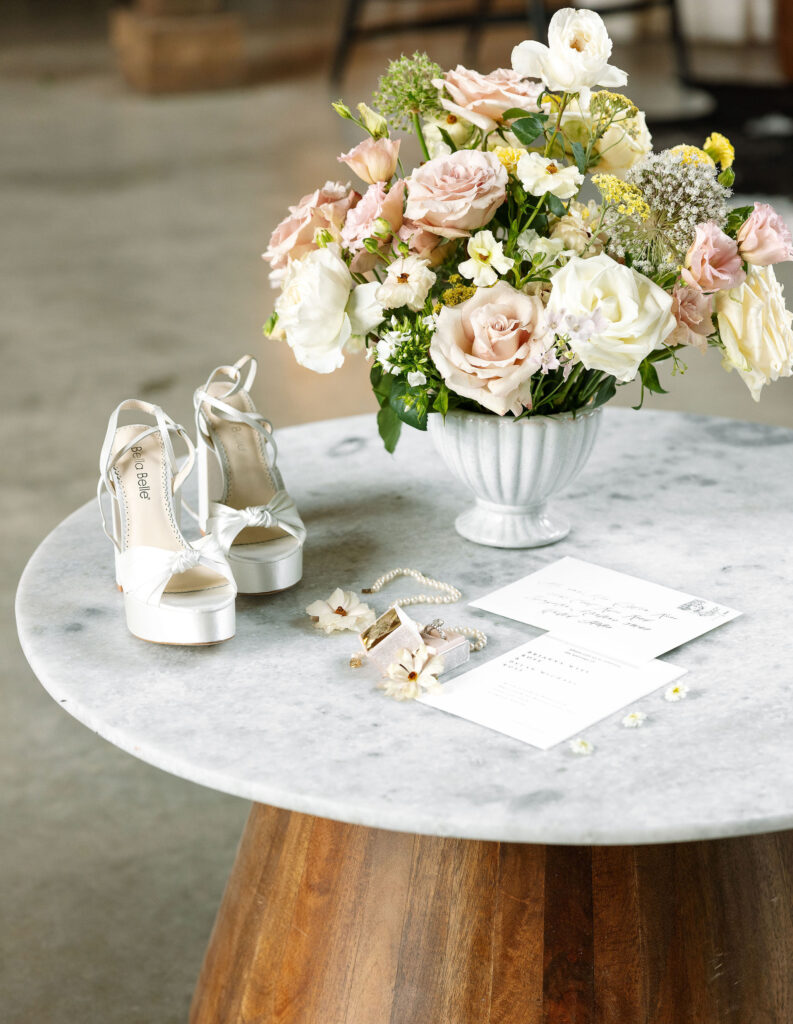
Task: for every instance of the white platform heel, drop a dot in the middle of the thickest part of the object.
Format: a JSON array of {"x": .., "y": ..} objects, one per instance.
[
  {"x": 175, "y": 592},
  {"x": 242, "y": 501}
]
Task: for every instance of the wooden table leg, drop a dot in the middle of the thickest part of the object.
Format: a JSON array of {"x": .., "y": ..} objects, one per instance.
[{"x": 325, "y": 923}]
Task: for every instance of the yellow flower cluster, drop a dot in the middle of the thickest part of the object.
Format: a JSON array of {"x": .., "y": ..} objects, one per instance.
[
  {"x": 719, "y": 148},
  {"x": 627, "y": 199},
  {"x": 692, "y": 155},
  {"x": 509, "y": 157},
  {"x": 606, "y": 105},
  {"x": 458, "y": 292}
]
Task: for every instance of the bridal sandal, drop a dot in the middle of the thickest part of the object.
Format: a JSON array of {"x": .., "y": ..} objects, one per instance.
[
  {"x": 175, "y": 592},
  {"x": 242, "y": 501}
]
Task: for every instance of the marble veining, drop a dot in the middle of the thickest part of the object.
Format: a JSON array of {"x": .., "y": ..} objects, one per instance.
[{"x": 276, "y": 715}]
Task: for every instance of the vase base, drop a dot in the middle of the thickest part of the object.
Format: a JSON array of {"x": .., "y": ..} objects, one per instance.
[{"x": 502, "y": 526}]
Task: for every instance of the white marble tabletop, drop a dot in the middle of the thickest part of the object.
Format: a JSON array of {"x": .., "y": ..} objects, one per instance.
[{"x": 277, "y": 716}]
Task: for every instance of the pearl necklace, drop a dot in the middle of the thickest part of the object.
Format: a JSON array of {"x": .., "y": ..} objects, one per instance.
[{"x": 448, "y": 595}]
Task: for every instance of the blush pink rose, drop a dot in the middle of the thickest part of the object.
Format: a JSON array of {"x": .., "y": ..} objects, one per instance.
[
  {"x": 454, "y": 195},
  {"x": 373, "y": 159},
  {"x": 488, "y": 347},
  {"x": 713, "y": 262},
  {"x": 324, "y": 209},
  {"x": 764, "y": 238},
  {"x": 482, "y": 99},
  {"x": 692, "y": 309}
]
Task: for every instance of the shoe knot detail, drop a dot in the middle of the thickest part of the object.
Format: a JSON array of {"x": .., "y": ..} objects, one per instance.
[
  {"x": 259, "y": 515},
  {"x": 185, "y": 559}
]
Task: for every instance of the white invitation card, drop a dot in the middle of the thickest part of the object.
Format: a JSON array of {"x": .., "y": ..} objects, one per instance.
[
  {"x": 605, "y": 611},
  {"x": 548, "y": 690}
]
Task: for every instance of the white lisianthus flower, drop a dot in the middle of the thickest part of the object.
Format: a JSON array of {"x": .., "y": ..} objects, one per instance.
[
  {"x": 632, "y": 315},
  {"x": 755, "y": 327},
  {"x": 576, "y": 56},
  {"x": 413, "y": 673},
  {"x": 407, "y": 283},
  {"x": 458, "y": 130},
  {"x": 342, "y": 610},
  {"x": 539, "y": 175},
  {"x": 624, "y": 144},
  {"x": 540, "y": 250},
  {"x": 416, "y": 378},
  {"x": 322, "y": 313},
  {"x": 487, "y": 260}
]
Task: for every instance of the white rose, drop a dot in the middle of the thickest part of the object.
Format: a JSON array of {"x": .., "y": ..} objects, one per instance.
[
  {"x": 755, "y": 327},
  {"x": 576, "y": 56},
  {"x": 634, "y": 315},
  {"x": 321, "y": 314},
  {"x": 539, "y": 175}
]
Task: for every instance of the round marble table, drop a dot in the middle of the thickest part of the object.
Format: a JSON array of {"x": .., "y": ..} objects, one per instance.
[{"x": 407, "y": 866}]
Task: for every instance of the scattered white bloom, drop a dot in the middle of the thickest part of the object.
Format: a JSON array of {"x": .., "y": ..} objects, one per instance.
[
  {"x": 407, "y": 283},
  {"x": 412, "y": 674},
  {"x": 539, "y": 175},
  {"x": 321, "y": 311},
  {"x": 634, "y": 720},
  {"x": 576, "y": 56},
  {"x": 430, "y": 321},
  {"x": 541, "y": 251},
  {"x": 416, "y": 378},
  {"x": 385, "y": 348},
  {"x": 487, "y": 260},
  {"x": 342, "y": 610},
  {"x": 581, "y": 746},
  {"x": 678, "y": 691}
]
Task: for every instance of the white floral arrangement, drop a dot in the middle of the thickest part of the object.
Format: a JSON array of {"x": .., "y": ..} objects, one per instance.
[{"x": 481, "y": 280}]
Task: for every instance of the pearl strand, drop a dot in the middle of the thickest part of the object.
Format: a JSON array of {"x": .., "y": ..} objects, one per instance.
[{"x": 449, "y": 594}]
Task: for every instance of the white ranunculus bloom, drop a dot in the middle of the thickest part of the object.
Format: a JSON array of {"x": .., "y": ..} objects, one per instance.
[
  {"x": 487, "y": 260},
  {"x": 755, "y": 327},
  {"x": 321, "y": 313},
  {"x": 576, "y": 56},
  {"x": 407, "y": 283},
  {"x": 634, "y": 315},
  {"x": 539, "y": 175}
]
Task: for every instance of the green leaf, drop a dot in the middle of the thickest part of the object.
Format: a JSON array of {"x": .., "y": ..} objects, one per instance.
[
  {"x": 410, "y": 404},
  {"x": 649, "y": 376},
  {"x": 448, "y": 139},
  {"x": 727, "y": 177},
  {"x": 513, "y": 112},
  {"x": 389, "y": 426},
  {"x": 735, "y": 219},
  {"x": 579, "y": 153},
  {"x": 270, "y": 323},
  {"x": 605, "y": 392},
  {"x": 441, "y": 403},
  {"x": 555, "y": 205},
  {"x": 382, "y": 384},
  {"x": 528, "y": 129}
]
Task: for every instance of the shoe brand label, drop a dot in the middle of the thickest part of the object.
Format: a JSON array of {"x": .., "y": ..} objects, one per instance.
[{"x": 140, "y": 470}]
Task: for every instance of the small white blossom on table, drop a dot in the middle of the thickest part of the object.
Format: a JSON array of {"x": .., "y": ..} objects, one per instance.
[
  {"x": 679, "y": 691},
  {"x": 412, "y": 674},
  {"x": 342, "y": 610},
  {"x": 581, "y": 746},
  {"x": 634, "y": 720}
]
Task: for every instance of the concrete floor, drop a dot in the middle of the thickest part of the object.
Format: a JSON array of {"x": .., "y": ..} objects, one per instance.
[{"x": 130, "y": 267}]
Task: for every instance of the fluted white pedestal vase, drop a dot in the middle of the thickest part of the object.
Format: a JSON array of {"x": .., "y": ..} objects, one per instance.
[{"x": 513, "y": 467}]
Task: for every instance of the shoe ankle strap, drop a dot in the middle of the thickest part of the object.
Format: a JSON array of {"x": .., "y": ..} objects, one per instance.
[
  {"x": 237, "y": 377},
  {"x": 164, "y": 426}
]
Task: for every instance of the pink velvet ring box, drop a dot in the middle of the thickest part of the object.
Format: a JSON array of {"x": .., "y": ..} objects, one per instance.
[{"x": 395, "y": 632}]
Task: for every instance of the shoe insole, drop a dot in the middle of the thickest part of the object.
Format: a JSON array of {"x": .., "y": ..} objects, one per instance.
[
  {"x": 141, "y": 479},
  {"x": 249, "y": 478}
]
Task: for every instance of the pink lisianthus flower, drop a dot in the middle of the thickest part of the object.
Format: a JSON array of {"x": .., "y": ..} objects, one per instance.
[
  {"x": 376, "y": 204},
  {"x": 324, "y": 209},
  {"x": 713, "y": 262},
  {"x": 422, "y": 243},
  {"x": 482, "y": 99},
  {"x": 764, "y": 238},
  {"x": 373, "y": 159},
  {"x": 693, "y": 310}
]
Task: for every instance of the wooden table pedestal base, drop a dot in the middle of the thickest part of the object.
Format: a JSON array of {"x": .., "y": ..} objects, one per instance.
[{"x": 326, "y": 923}]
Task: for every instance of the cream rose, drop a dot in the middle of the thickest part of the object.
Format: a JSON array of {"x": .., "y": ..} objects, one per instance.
[
  {"x": 488, "y": 347},
  {"x": 755, "y": 327},
  {"x": 482, "y": 99},
  {"x": 321, "y": 313},
  {"x": 454, "y": 195},
  {"x": 637, "y": 313},
  {"x": 576, "y": 56}
]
